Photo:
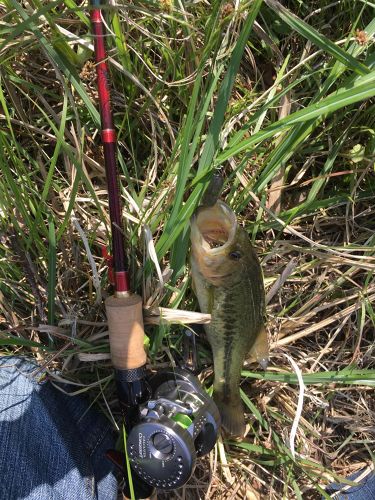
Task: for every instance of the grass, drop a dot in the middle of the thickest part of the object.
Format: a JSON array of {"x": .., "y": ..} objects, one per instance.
[{"x": 280, "y": 100}]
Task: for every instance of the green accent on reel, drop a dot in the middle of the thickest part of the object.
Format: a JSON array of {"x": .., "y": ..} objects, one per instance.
[{"x": 184, "y": 420}]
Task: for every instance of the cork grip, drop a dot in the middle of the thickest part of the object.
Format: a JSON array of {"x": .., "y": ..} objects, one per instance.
[{"x": 125, "y": 324}]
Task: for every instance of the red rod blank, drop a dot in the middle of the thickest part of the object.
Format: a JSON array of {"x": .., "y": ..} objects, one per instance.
[{"x": 109, "y": 145}]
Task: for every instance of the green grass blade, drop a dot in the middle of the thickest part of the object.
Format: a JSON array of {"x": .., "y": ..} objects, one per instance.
[
  {"x": 65, "y": 66},
  {"x": 7, "y": 339},
  {"x": 128, "y": 468},
  {"x": 25, "y": 25},
  {"x": 349, "y": 376},
  {"x": 362, "y": 88},
  {"x": 78, "y": 11},
  {"x": 51, "y": 271},
  {"x": 317, "y": 38},
  {"x": 212, "y": 139}
]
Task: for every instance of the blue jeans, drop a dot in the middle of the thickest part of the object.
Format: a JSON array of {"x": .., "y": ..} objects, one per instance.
[
  {"x": 52, "y": 445},
  {"x": 364, "y": 491}
]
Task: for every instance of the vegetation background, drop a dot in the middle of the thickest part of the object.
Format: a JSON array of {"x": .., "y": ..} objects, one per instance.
[{"x": 280, "y": 99}]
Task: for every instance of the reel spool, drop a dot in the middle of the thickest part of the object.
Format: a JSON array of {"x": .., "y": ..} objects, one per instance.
[{"x": 179, "y": 424}]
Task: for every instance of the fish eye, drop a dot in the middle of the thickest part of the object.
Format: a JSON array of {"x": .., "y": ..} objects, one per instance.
[{"x": 235, "y": 255}]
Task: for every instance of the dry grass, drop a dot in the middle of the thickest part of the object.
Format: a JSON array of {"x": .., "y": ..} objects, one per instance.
[{"x": 318, "y": 262}]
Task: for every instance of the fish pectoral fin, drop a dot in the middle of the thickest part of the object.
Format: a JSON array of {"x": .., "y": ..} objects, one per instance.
[
  {"x": 194, "y": 288},
  {"x": 259, "y": 352}
]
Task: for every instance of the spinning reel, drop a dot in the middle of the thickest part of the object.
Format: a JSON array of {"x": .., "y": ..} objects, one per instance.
[{"x": 178, "y": 424}]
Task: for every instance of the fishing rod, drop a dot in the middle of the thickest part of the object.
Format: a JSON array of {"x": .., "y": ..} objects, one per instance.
[
  {"x": 169, "y": 419},
  {"x": 124, "y": 309}
]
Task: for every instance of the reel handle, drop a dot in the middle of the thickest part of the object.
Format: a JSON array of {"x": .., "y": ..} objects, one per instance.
[{"x": 126, "y": 332}]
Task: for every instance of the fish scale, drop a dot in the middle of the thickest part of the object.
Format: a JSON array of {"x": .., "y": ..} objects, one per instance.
[
  {"x": 227, "y": 327},
  {"x": 228, "y": 282}
]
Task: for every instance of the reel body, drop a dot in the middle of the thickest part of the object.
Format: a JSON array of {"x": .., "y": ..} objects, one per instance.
[{"x": 179, "y": 424}]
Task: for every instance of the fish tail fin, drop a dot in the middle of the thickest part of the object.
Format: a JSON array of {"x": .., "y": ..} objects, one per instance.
[{"x": 232, "y": 416}]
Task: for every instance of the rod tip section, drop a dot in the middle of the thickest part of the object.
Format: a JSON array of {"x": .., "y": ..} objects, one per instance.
[{"x": 126, "y": 332}]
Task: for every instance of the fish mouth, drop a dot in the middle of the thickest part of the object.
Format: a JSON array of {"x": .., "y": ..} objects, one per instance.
[{"x": 213, "y": 228}]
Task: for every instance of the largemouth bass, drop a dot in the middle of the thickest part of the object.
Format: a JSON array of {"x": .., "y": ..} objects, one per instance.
[{"x": 228, "y": 282}]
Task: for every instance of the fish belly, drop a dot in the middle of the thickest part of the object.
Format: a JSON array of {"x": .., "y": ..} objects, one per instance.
[{"x": 236, "y": 320}]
